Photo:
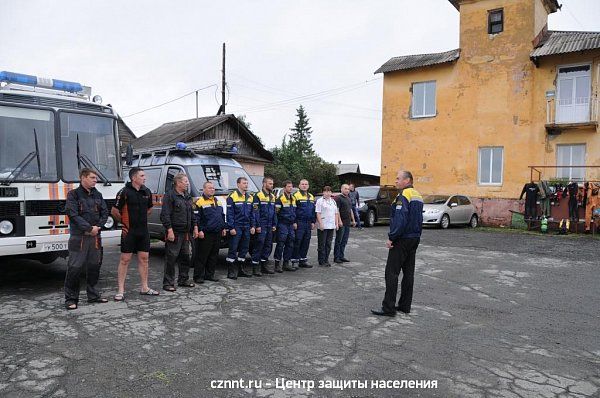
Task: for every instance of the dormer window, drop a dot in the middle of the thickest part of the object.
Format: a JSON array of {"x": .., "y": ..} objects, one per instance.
[{"x": 495, "y": 21}]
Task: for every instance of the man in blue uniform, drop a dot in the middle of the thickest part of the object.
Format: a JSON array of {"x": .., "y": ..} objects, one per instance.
[
  {"x": 240, "y": 222},
  {"x": 405, "y": 233},
  {"x": 266, "y": 222},
  {"x": 305, "y": 218},
  {"x": 211, "y": 227},
  {"x": 285, "y": 206}
]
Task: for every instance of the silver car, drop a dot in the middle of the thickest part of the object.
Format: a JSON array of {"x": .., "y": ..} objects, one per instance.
[{"x": 446, "y": 210}]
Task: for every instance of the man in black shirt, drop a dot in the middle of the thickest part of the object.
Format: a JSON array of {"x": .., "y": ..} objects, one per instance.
[
  {"x": 134, "y": 203},
  {"x": 178, "y": 219},
  {"x": 87, "y": 214},
  {"x": 347, "y": 219}
]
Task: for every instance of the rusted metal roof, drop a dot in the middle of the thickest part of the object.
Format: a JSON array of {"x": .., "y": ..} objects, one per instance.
[
  {"x": 561, "y": 42},
  {"x": 418, "y": 60},
  {"x": 189, "y": 130}
]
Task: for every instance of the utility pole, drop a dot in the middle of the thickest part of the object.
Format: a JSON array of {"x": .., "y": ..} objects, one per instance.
[
  {"x": 223, "y": 83},
  {"x": 196, "y": 104}
]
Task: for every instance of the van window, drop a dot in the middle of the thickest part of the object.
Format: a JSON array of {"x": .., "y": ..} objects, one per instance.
[
  {"x": 223, "y": 177},
  {"x": 173, "y": 171},
  {"x": 152, "y": 179}
]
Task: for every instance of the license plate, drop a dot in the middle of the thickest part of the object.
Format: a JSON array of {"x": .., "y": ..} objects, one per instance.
[{"x": 54, "y": 247}]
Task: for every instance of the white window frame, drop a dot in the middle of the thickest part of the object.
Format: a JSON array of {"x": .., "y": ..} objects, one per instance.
[
  {"x": 412, "y": 102},
  {"x": 570, "y": 177},
  {"x": 479, "y": 176}
]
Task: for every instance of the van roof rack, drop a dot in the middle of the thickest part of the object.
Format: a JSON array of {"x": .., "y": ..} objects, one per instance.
[{"x": 221, "y": 146}]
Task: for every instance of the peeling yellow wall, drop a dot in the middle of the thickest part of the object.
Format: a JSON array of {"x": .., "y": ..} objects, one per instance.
[{"x": 492, "y": 96}]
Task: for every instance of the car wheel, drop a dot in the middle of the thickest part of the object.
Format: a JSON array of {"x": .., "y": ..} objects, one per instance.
[
  {"x": 474, "y": 221},
  {"x": 445, "y": 221},
  {"x": 370, "y": 221}
]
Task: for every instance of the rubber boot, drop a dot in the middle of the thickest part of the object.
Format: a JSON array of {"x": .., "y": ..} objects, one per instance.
[
  {"x": 242, "y": 272},
  {"x": 265, "y": 269},
  {"x": 256, "y": 270},
  {"x": 231, "y": 270},
  {"x": 288, "y": 267},
  {"x": 278, "y": 268},
  {"x": 295, "y": 266}
]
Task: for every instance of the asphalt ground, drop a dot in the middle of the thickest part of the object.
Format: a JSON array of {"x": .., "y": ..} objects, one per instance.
[{"x": 495, "y": 314}]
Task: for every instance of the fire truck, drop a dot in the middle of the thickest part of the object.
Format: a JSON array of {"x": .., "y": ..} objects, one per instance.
[{"x": 49, "y": 130}]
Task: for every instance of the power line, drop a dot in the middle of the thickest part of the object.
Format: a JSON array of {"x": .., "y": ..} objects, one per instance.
[
  {"x": 318, "y": 99},
  {"x": 311, "y": 97},
  {"x": 168, "y": 102}
]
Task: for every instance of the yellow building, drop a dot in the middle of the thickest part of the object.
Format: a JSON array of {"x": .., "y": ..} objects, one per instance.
[{"x": 514, "y": 95}]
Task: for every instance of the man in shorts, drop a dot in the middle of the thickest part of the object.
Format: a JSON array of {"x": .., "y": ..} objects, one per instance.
[{"x": 134, "y": 203}]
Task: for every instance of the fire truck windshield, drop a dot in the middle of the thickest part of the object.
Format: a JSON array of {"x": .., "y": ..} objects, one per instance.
[
  {"x": 88, "y": 137},
  {"x": 21, "y": 159}
]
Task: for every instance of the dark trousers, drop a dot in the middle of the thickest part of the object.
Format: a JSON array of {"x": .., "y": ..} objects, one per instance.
[
  {"x": 573, "y": 209},
  {"x": 302, "y": 241},
  {"x": 401, "y": 257},
  {"x": 178, "y": 252},
  {"x": 324, "y": 239},
  {"x": 239, "y": 244},
  {"x": 530, "y": 210},
  {"x": 263, "y": 245},
  {"x": 207, "y": 253},
  {"x": 285, "y": 242},
  {"x": 84, "y": 252},
  {"x": 356, "y": 216},
  {"x": 341, "y": 239}
]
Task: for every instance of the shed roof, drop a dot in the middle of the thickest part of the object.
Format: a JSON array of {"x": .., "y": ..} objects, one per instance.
[
  {"x": 418, "y": 60},
  {"x": 562, "y": 42},
  {"x": 186, "y": 130}
]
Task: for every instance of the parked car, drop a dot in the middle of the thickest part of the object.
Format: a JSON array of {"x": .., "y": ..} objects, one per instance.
[
  {"x": 446, "y": 210},
  {"x": 375, "y": 203}
]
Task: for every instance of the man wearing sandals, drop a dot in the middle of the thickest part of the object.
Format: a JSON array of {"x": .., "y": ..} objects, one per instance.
[
  {"x": 180, "y": 224},
  {"x": 87, "y": 213},
  {"x": 131, "y": 209}
]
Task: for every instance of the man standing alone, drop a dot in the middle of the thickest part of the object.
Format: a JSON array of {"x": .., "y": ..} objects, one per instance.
[
  {"x": 405, "y": 233},
  {"x": 87, "y": 213}
]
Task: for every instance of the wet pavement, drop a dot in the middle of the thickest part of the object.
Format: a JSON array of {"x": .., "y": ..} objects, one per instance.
[{"x": 495, "y": 314}]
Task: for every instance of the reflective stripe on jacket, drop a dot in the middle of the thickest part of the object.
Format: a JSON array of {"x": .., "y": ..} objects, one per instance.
[{"x": 406, "y": 219}]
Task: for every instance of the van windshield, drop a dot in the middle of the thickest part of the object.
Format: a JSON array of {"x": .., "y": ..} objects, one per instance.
[{"x": 223, "y": 177}]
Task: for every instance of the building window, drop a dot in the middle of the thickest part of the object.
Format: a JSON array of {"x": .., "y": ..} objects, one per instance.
[
  {"x": 570, "y": 155},
  {"x": 495, "y": 21},
  {"x": 491, "y": 163},
  {"x": 423, "y": 99}
]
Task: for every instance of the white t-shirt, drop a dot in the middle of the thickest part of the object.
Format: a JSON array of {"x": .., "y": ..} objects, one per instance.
[{"x": 328, "y": 209}]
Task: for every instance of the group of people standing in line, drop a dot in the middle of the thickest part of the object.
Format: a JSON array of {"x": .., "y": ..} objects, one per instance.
[
  {"x": 287, "y": 221},
  {"x": 290, "y": 218}
]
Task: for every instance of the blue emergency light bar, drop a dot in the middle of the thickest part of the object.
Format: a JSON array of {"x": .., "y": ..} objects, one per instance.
[{"x": 19, "y": 78}]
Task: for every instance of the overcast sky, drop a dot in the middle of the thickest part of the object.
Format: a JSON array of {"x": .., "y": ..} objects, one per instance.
[{"x": 322, "y": 54}]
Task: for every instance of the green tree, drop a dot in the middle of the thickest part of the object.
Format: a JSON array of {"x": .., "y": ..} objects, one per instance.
[
  {"x": 295, "y": 159},
  {"x": 301, "y": 134}
]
